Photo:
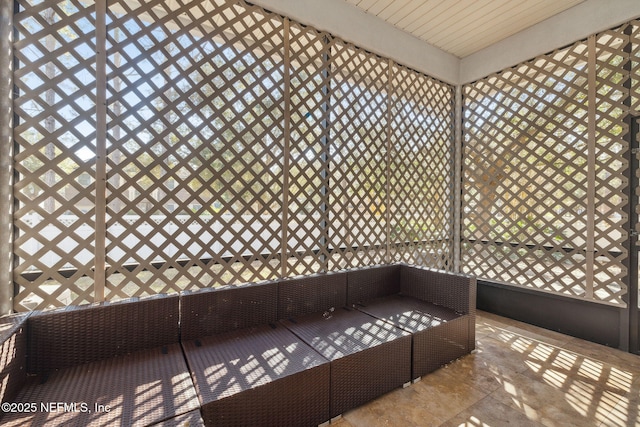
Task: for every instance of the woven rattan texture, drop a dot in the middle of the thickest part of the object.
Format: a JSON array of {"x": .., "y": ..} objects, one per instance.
[
  {"x": 473, "y": 292},
  {"x": 209, "y": 312},
  {"x": 259, "y": 376},
  {"x": 370, "y": 283},
  {"x": 447, "y": 289},
  {"x": 440, "y": 335},
  {"x": 361, "y": 349},
  {"x": 298, "y": 400},
  {"x": 343, "y": 332},
  {"x": 79, "y": 335},
  {"x": 141, "y": 388},
  {"x": 13, "y": 352},
  {"x": 408, "y": 313},
  {"x": 361, "y": 377},
  {"x": 435, "y": 347},
  {"x": 9, "y": 324},
  {"x": 311, "y": 294},
  {"x": 190, "y": 419}
]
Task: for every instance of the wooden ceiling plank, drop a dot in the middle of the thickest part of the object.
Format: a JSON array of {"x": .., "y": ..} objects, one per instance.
[
  {"x": 454, "y": 20},
  {"x": 485, "y": 22},
  {"x": 432, "y": 15},
  {"x": 380, "y": 6},
  {"x": 487, "y": 36},
  {"x": 416, "y": 13},
  {"x": 391, "y": 11},
  {"x": 366, "y": 4},
  {"x": 462, "y": 27}
]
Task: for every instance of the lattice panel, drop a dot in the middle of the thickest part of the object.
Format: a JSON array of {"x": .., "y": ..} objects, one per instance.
[
  {"x": 196, "y": 150},
  {"x": 611, "y": 218},
  {"x": 633, "y": 29},
  {"x": 420, "y": 169},
  {"x": 308, "y": 214},
  {"x": 525, "y": 178},
  {"x": 358, "y": 137},
  {"x": 55, "y": 136}
]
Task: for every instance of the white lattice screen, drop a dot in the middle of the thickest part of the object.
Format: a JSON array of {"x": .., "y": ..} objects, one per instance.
[
  {"x": 358, "y": 160},
  {"x": 545, "y": 171},
  {"x": 307, "y": 222},
  {"x": 55, "y": 129},
  {"x": 421, "y": 187},
  {"x": 240, "y": 146},
  {"x": 195, "y": 195}
]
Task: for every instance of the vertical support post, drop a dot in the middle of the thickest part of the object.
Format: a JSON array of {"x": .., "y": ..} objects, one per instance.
[
  {"x": 629, "y": 317},
  {"x": 6, "y": 156},
  {"x": 324, "y": 157},
  {"x": 101, "y": 152},
  {"x": 387, "y": 202},
  {"x": 457, "y": 182},
  {"x": 591, "y": 165},
  {"x": 287, "y": 150}
]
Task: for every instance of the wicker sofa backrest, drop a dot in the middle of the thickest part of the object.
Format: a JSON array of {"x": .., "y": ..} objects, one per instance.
[
  {"x": 213, "y": 311},
  {"x": 311, "y": 294},
  {"x": 368, "y": 283},
  {"x": 455, "y": 291},
  {"x": 13, "y": 355},
  {"x": 75, "y": 335}
]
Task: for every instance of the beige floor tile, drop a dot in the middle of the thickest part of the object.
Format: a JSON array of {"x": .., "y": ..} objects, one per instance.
[
  {"x": 475, "y": 370},
  {"x": 540, "y": 334},
  {"x": 444, "y": 396},
  {"x": 519, "y": 375},
  {"x": 571, "y": 404},
  {"x": 490, "y": 412},
  {"x": 487, "y": 323},
  {"x": 500, "y": 356},
  {"x": 627, "y": 411},
  {"x": 403, "y": 407},
  {"x": 604, "y": 353},
  {"x": 341, "y": 422}
]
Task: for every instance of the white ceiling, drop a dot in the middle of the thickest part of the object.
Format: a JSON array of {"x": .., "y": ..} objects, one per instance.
[{"x": 462, "y": 27}]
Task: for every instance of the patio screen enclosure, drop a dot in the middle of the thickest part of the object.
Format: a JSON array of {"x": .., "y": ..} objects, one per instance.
[
  {"x": 213, "y": 142},
  {"x": 218, "y": 143}
]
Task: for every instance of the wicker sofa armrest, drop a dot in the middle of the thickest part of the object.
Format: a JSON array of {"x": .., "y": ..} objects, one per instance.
[
  {"x": 454, "y": 291},
  {"x": 311, "y": 294},
  {"x": 77, "y": 335},
  {"x": 368, "y": 283},
  {"x": 214, "y": 311},
  {"x": 13, "y": 355}
]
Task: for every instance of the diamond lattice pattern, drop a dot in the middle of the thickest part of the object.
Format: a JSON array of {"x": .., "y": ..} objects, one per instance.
[
  {"x": 55, "y": 134},
  {"x": 421, "y": 170},
  {"x": 308, "y": 214},
  {"x": 241, "y": 147},
  {"x": 358, "y": 133},
  {"x": 612, "y": 146},
  {"x": 196, "y": 145},
  {"x": 525, "y": 202}
]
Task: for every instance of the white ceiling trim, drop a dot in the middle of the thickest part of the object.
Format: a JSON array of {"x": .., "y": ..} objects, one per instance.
[
  {"x": 369, "y": 32},
  {"x": 462, "y": 27},
  {"x": 567, "y": 27}
]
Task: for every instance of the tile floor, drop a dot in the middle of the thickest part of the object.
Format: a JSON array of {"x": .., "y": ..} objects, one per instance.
[{"x": 520, "y": 375}]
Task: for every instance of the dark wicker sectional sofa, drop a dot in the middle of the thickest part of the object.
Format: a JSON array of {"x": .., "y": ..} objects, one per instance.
[{"x": 291, "y": 352}]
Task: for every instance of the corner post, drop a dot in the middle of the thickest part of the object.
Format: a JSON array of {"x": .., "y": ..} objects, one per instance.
[{"x": 6, "y": 156}]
